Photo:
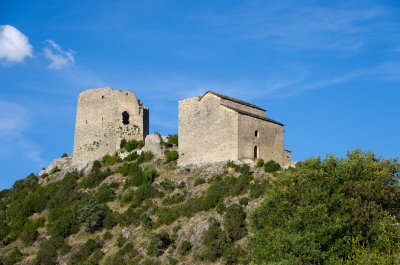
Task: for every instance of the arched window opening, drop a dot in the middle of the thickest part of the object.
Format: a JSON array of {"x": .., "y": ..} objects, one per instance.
[
  {"x": 255, "y": 152},
  {"x": 125, "y": 118},
  {"x": 256, "y": 133},
  {"x": 102, "y": 97}
]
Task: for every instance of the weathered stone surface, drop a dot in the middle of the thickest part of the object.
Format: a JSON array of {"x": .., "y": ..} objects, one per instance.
[
  {"x": 105, "y": 117},
  {"x": 215, "y": 128},
  {"x": 63, "y": 165},
  {"x": 152, "y": 143}
]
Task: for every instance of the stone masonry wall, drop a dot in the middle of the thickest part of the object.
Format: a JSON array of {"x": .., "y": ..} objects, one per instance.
[
  {"x": 99, "y": 126},
  {"x": 207, "y": 132},
  {"x": 269, "y": 141}
]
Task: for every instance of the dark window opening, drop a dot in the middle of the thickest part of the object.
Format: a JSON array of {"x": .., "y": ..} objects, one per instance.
[
  {"x": 102, "y": 97},
  {"x": 126, "y": 94},
  {"x": 256, "y": 133},
  {"x": 125, "y": 118},
  {"x": 255, "y": 152}
]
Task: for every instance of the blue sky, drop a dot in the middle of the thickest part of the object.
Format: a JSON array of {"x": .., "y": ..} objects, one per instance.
[{"x": 329, "y": 70}]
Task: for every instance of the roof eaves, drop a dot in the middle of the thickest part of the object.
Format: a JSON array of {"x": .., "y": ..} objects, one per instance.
[
  {"x": 253, "y": 115},
  {"x": 233, "y": 100}
]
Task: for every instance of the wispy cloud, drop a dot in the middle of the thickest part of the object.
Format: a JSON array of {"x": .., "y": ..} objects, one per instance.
[
  {"x": 58, "y": 57},
  {"x": 14, "y": 121},
  {"x": 14, "y": 45},
  {"x": 300, "y": 27}
]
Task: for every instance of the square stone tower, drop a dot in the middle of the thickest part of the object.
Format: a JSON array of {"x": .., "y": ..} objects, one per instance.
[
  {"x": 104, "y": 117},
  {"x": 216, "y": 128}
]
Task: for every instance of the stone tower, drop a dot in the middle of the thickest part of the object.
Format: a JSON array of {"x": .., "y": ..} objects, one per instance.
[{"x": 104, "y": 117}]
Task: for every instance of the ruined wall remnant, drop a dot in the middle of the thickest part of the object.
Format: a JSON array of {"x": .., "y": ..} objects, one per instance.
[
  {"x": 104, "y": 117},
  {"x": 215, "y": 128}
]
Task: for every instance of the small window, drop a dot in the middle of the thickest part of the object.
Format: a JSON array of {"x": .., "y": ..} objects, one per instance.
[
  {"x": 255, "y": 152},
  {"x": 102, "y": 97},
  {"x": 125, "y": 118},
  {"x": 256, "y": 133},
  {"x": 126, "y": 94}
]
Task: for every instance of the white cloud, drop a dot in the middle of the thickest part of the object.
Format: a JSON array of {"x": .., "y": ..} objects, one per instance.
[
  {"x": 14, "y": 121},
  {"x": 57, "y": 56},
  {"x": 14, "y": 45}
]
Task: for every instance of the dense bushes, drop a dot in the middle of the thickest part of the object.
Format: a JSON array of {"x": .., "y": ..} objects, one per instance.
[
  {"x": 130, "y": 145},
  {"x": 89, "y": 252},
  {"x": 171, "y": 155},
  {"x": 96, "y": 176},
  {"x": 234, "y": 222},
  {"x": 312, "y": 213},
  {"x": 271, "y": 166},
  {"x": 184, "y": 247},
  {"x": 109, "y": 160},
  {"x": 158, "y": 243}
]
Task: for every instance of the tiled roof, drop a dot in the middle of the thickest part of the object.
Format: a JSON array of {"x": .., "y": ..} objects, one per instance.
[
  {"x": 253, "y": 115},
  {"x": 234, "y": 100}
]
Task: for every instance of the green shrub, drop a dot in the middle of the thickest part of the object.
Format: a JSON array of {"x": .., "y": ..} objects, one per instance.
[
  {"x": 243, "y": 169},
  {"x": 271, "y": 166},
  {"x": 310, "y": 214},
  {"x": 260, "y": 163},
  {"x": 158, "y": 243},
  {"x": 257, "y": 189},
  {"x": 234, "y": 255},
  {"x": 89, "y": 251},
  {"x": 173, "y": 199},
  {"x": 214, "y": 243},
  {"x": 96, "y": 176},
  {"x": 166, "y": 216},
  {"x": 123, "y": 256},
  {"x": 93, "y": 214},
  {"x": 184, "y": 247},
  {"x": 145, "y": 156},
  {"x": 220, "y": 208},
  {"x": 146, "y": 221},
  {"x": 55, "y": 170},
  {"x": 62, "y": 222},
  {"x": 48, "y": 251},
  {"x": 234, "y": 222},
  {"x": 109, "y": 160},
  {"x": 171, "y": 155},
  {"x": 121, "y": 240},
  {"x": 199, "y": 181},
  {"x": 244, "y": 201},
  {"x": 172, "y": 140},
  {"x": 14, "y": 257},
  {"x": 130, "y": 145},
  {"x": 132, "y": 156},
  {"x": 168, "y": 185},
  {"x": 104, "y": 194},
  {"x": 29, "y": 232},
  {"x": 107, "y": 235}
]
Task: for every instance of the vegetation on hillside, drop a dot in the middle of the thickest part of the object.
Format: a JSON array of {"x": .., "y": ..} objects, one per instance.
[{"x": 139, "y": 210}]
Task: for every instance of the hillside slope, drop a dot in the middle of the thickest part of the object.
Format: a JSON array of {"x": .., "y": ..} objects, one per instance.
[{"x": 146, "y": 210}]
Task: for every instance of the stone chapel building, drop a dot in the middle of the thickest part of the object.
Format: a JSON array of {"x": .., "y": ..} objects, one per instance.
[{"x": 215, "y": 128}]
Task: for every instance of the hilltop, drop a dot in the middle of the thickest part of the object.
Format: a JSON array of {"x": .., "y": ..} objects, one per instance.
[{"x": 142, "y": 209}]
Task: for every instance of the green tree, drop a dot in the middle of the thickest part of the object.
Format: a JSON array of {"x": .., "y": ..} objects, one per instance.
[{"x": 311, "y": 213}]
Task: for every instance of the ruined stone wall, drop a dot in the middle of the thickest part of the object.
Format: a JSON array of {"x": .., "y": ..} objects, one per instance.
[
  {"x": 269, "y": 141},
  {"x": 207, "y": 132},
  {"x": 99, "y": 126}
]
